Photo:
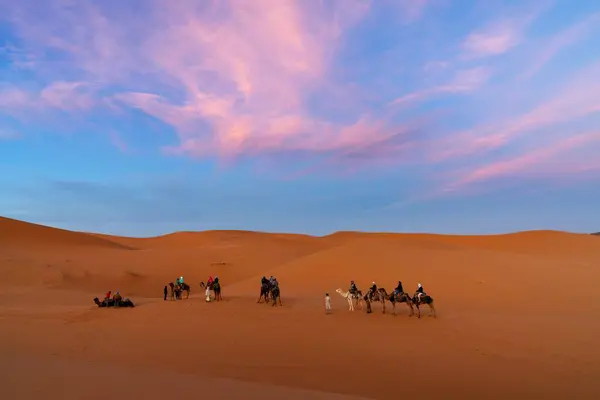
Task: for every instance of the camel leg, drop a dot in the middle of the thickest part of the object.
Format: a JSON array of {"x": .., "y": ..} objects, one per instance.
[{"x": 432, "y": 309}]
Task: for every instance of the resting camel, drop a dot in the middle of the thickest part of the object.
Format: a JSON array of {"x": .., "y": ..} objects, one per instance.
[
  {"x": 112, "y": 303},
  {"x": 401, "y": 298},
  {"x": 421, "y": 298},
  {"x": 265, "y": 289}
]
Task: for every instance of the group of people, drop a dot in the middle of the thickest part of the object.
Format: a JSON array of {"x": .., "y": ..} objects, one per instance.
[
  {"x": 272, "y": 281},
  {"x": 115, "y": 298},
  {"x": 373, "y": 289},
  {"x": 179, "y": 282}
]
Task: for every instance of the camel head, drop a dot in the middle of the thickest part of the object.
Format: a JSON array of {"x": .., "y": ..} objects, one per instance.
[
  {"x": 340, "y": 291},
  {"x": 96, "y": 301}
]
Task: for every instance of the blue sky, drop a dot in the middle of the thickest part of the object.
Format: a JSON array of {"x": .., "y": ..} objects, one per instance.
[{"x": 142, "y": 118}]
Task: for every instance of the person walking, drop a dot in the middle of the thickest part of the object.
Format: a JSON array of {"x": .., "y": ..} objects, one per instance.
[
  {"x": 327, "y": 303},
  {"x": 165, "y": 291}
]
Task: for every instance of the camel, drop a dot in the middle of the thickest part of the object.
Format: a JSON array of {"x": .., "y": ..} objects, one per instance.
[
  {"x": 265, "y": 289},
  {"x": 422, "y": 298},
  {"x": 276, "y": 295},
  {"x": 177, "y": 289},
  {"x": 215, "y": 286},
  {"x": 112, "y": 303},
  {"x": 350, "y": 297},
  {"x": 401, "y": 298},
  {"x": 367, "y": 301},
  {"x": 380, "y": 295}
]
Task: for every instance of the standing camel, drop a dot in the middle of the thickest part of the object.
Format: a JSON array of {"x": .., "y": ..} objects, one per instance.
[
  {"x": 421, "y": 298},
  {"x": 173, "y": 290},
  {"x": 381, "y": 296},
  {"x": 177, "y": 289},
  {"x": 265, "y": 288},
  {"x": 350, "y": 297},
  {"x": 276, "y": 295},
  {"x": 401, "y": 298}
]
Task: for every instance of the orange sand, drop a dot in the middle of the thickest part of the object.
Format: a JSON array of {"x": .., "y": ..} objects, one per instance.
[{"x": 518, "y": 316}]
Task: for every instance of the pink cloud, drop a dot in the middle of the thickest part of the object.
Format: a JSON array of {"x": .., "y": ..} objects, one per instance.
[
  {"x": 541, "y": 161},
  {"x": 578, "y": 98},
  {"x": 500, "y": 36},
  {"x": 493, "y": 41},
  {"x": 117, "y": 141},
  {"x": 66, "y": 96},
  {"x": 245, "y": 69}
]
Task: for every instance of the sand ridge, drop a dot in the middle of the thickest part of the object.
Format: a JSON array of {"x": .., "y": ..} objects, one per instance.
[{"x": 517, "y": 315}]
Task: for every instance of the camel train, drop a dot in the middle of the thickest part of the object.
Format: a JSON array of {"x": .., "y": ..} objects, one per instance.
[
  {"x": 398, "y": 296},
  {"x": 271, "y": 294}
]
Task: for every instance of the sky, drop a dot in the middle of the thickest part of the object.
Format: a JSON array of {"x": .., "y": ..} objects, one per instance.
[{"x": 144, "y": 117}]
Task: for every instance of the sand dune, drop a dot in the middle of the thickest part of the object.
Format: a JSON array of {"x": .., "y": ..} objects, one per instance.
[
  {"x": 18, "y": 234},
  {"x": 518, "y": 315}
]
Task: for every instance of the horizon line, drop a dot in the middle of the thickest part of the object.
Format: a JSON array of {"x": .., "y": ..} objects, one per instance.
[{"x": 547, "y": 230}]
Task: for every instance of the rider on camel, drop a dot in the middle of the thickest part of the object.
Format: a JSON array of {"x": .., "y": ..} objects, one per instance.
[
  {"x": 117, "y": 298},
  {"x": 274, "y": 283},
  {"x": 420, "y": 292},
  {"x": 216, "y": 280},
  {"x": 353, "y": 288},
  {"x": 372, "y": 290},
  {"x": 399, "y": 289},
  {"x": 264, "y": 280},
  {"x": 107, "y": 297},
  {"x": 210, "y": 281}
]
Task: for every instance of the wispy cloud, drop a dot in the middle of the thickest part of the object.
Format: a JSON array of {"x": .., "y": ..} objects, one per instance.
[
  {"x": 117, "y": 141},
  {"x": 503, "y": 34},
  {"x": 492, "y": 41},
  {"x": 550, "y": 47},
  {"x": 577, "y": 98},
  {"x": 464, "y": 81},
  {"x": 541, "y": 162},
  {"x": 65, "y": 96}
]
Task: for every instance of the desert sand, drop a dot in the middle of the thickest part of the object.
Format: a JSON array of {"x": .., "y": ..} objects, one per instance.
[{"x": 518, "y": 316}]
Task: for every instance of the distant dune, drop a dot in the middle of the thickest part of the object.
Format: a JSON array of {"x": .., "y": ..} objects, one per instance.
[
  {"x": 17, "y": 233},
  {"x": 518, "y": 314}
]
